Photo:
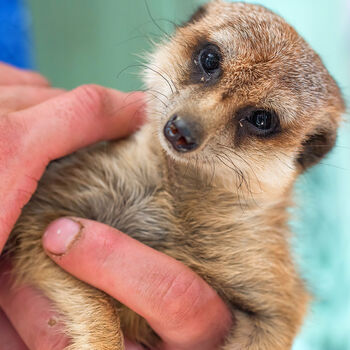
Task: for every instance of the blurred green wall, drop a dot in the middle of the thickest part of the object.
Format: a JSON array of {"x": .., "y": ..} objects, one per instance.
[{"x": 91, "y": 41}]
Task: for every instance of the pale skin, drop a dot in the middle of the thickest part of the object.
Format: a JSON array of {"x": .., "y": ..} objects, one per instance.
[{"x": 38, "y": 124}]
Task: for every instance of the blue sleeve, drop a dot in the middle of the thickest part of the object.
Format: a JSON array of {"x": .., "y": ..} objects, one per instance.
[{"x": 15, "y": 45}]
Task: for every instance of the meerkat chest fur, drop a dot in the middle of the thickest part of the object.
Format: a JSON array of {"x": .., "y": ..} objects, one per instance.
[{"x": 174, "y": 208}]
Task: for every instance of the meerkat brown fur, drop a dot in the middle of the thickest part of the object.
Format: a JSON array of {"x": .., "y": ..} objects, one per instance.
[{"x": 240, "y": 106}]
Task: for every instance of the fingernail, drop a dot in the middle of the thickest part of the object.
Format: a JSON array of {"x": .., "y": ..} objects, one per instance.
[{"x": 60, "y": 235}]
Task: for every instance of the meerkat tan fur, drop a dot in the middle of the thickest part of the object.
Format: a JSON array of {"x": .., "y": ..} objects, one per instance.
[{"x": 243, "y": 106}]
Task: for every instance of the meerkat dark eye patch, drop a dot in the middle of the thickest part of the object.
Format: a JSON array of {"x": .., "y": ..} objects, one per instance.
[
  {"x": 258, "y": 121},
  {"x": 207, "y": 61}
]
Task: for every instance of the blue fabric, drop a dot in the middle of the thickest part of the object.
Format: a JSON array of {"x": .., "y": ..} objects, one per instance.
[{"x": 14, "y": 34}]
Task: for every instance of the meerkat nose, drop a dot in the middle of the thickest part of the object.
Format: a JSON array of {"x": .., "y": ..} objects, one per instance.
[{"x": 182, "y": 134}]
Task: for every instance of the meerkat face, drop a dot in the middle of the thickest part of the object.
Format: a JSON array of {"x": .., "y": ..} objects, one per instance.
[{"x": 237, "y": 90}]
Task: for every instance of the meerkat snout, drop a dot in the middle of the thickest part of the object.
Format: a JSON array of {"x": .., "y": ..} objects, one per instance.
[{"x": 183, "y": 133}]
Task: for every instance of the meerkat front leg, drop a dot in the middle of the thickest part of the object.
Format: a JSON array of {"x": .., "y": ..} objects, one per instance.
[
  {"x": 90, "y": 317},
  {"x": 257, "y": 334},
  {"x": 271, "y": 328}
]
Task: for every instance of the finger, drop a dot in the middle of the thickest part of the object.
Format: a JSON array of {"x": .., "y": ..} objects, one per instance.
[
  {"x": 29, "y": 139},
  {"x": 179, "y": 305},
  {"x": 31, "y": 314},
  {"x": 10, "y": 340},
  {"x": 78, "y": 118},
  {"x": 10, "y": 75},
  {"x": 17, "y": 97}
]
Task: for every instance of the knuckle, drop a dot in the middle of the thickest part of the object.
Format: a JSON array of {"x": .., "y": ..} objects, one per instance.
[
  {"x": 11, "y": 136},
  {"x": 6, "y": 226},
  {"x": 91, "y": 97},
  {"x": 39, "y": 78},
  {"x": 181, "y": 300},
  {"x": 5, "y": 67},
  {"x": 21, "y": 76}
]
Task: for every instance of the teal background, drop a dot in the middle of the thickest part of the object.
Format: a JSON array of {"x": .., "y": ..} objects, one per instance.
[{"x": 90, "y": 41}]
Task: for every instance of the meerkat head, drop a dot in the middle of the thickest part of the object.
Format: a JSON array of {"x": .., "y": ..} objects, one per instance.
[{"x": 240, "y": 92}]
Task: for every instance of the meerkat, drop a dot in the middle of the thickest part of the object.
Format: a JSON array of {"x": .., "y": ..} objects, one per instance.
[{"x": 243, "y": 106}]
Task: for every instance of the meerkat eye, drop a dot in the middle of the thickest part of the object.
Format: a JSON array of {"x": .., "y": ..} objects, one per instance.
[
  {"x": 261, "y": 119},
  {"x": 263, "y": 122},
  {"x": 210, "y": 59},
  {"x": 258, "y": 121}
]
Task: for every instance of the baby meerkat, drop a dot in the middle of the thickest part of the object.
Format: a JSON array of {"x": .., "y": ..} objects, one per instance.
[{"x": 243, "y": 106}]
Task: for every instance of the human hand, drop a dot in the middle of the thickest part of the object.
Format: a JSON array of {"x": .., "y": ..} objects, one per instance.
[
  {"x": 39, "y": 124},
  {"x": 184, "y": 311}
]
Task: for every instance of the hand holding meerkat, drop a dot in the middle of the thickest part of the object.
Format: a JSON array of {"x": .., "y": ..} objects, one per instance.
[{"x": 243, "y": 106}]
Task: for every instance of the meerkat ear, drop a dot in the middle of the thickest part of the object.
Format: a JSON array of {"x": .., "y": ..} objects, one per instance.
[
  {"x": 198, "y": 15},
  {"x": 317, "y": 145}
]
